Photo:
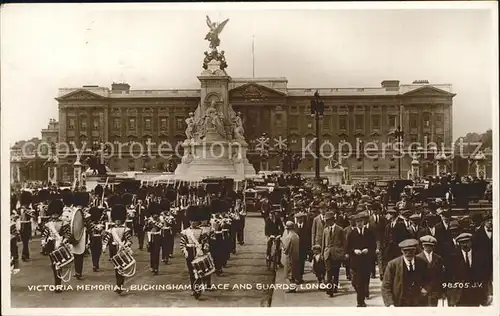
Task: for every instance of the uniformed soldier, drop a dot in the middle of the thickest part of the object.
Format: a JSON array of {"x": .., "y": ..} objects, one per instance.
[
  {"x": 193, "y": 243},
  {"x": 96, "y": 235},
  {"x": 153, "y": 230},
  {"x": 216, "y": 242},
  {"x": 206, "y": 229},
  {"x": 26, "y": 213},
  {"x": 116, "y": 237},
  {"x": 167, "y": 231},
  {"x": 14, "y": 239},
  {"x": 56, "y": 233}
]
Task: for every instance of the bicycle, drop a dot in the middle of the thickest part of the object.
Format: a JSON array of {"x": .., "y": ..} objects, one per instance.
[{"x": 273, "y": 260}]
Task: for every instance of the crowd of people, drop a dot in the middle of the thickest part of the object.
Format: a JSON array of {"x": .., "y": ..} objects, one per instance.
[
  {"x": 424, "y": 252},
  {"x": 209, "y": 226}
]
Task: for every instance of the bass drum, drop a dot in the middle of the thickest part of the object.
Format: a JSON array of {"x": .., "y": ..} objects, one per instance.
[{"x": 77, "y": 224}]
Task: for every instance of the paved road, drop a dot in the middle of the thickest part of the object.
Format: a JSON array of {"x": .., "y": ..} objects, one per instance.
[
  {"x": 246, "y": 267},
  {"x": 308, "y": 295}
]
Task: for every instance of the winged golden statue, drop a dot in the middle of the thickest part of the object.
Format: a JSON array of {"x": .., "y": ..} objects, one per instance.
[{"x": 213, "y": 35}]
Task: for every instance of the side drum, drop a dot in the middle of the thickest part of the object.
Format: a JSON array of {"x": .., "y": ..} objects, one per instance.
[{"x": 203, "y": 266}]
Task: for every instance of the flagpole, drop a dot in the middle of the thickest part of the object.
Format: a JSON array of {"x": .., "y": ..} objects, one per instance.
[{"x": 253, "y": 56}]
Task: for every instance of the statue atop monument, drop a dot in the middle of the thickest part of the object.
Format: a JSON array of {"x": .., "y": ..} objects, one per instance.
[{"x": 213, "y": 35}]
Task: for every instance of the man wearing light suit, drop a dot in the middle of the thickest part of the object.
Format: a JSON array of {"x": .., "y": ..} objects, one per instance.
[
  {"x": 318, "y": 226},
  {"x": 333, "y": 247}
]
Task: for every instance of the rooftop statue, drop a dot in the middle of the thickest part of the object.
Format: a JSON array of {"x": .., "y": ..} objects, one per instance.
[{"x": 213, "y": 35}]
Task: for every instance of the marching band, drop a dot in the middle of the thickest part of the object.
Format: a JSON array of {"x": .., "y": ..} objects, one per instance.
[{"x": 76, "y": 223}]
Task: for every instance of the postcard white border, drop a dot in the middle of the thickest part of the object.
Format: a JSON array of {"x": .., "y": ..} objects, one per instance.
[{"x": 5, "y": 167}]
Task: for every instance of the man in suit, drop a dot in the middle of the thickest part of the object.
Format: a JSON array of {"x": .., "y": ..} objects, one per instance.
[
  {"x": 302, "y": 229},
  {"x": 435, "y": 270},
  {"x": 318, "y": 226},
  {"x": 405, "y": 278},
  {"x": 291, "y": 248},
  {"x": 273, "y": 227},
  {"x": 482, "y": 242},
  {"x": 347, "y": 232},
  {"x": 376, "y": 223},
  {"x": 333, "y": 248},
  {"x": 395, "y": 232},
  {"x": 468, "y": 270},
  {"x": 360, "y": 248}
]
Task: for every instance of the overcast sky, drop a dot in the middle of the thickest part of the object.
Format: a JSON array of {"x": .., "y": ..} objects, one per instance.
[{"x": 52, "y": 46}]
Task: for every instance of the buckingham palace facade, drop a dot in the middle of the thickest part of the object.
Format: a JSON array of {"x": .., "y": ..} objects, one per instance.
[{"x": 121, "y": 115}]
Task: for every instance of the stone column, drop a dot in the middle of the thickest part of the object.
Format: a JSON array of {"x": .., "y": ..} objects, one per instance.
[
  {"x": 77, "y": 173},
  {"x": 415, "y": 169},
  {"x": 440, "y": 164},
  {"x": 480, "y": 162}
]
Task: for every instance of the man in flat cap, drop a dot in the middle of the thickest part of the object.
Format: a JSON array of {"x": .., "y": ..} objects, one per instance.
[
  {"x": 361, "y": 246},
  {"x": 302, "y": 229},
  {"x": 318, "y": 226},
  {"x": 435, "y": 265},
  {"x": 482, "y": 242},
  {"x": 405, "y": 278},
  {"x": 468, "y": 273},
  {"x": 291, "y": 248},
  {"x": 333, "y": 247}
]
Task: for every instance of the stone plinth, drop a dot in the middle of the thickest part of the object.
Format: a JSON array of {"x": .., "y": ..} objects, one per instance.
[{"x": 214, "y": 157}]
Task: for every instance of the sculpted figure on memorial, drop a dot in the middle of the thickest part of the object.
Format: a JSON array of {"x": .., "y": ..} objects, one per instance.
[
  {"x": 238, "y": 127},
  {"x": 190, "y": 130}
]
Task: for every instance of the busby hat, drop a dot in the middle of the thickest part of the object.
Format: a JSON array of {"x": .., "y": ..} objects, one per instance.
[
  {"x": 55, "y": 208},
  {"x": 127, "y": 199},
  {"x": 408, "y": 244},
  {"x": 165, "y": 205},
  {"x": 114, "y": 200},
  {"x": 99, "y": 190},
  {"x": 154, "y": 209},
  {"x": 26, "y": 198},
  {"x": 82, "y": 199},
  {"x": 95, "y": 213},
  {"x": 67, "y": 197},
  {"x": 13, "y": 201},
  {"x": 192, "y": 213},
  {"x": 204, "y": 213},
  {"x": 428, "y": 240},
  {"x": 118, "y": 213}
]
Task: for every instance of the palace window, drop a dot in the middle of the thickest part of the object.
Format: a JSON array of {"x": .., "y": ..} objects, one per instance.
[
  {"x": 376, "y": 121},
  {"x": 327, "y": 122},
  {"x": 279, "y": 120},
  {"x": 413, "y": 120},
  {"x": 392, "y": 121},
  {"x": 359, "y": 121},
  {"x": 426, "y": 117},
  {"x": 147, "y": 124},
  {"x": 294, "y": 121},
  {"x": 71, "y": 123},
  {"x": 342, "y": 122},
  {"x": 439, "y": 120},
  {"x": 413, "y": 138},
  {"x": 131, "y": 123},
  {"x": 95, "y": 123},
  {"x": 179, "y": 123},
  {"x": 83, "y": 123},
  {"x": 163, "y": 123},
  {"x": 116, "y": 124}
]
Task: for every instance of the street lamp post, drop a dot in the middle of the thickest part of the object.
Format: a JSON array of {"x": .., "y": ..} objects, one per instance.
[
  {"x": 398, "y": 133},
  {"x": 263, "y": 148},
  {"x": 317, "y": 110}
]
